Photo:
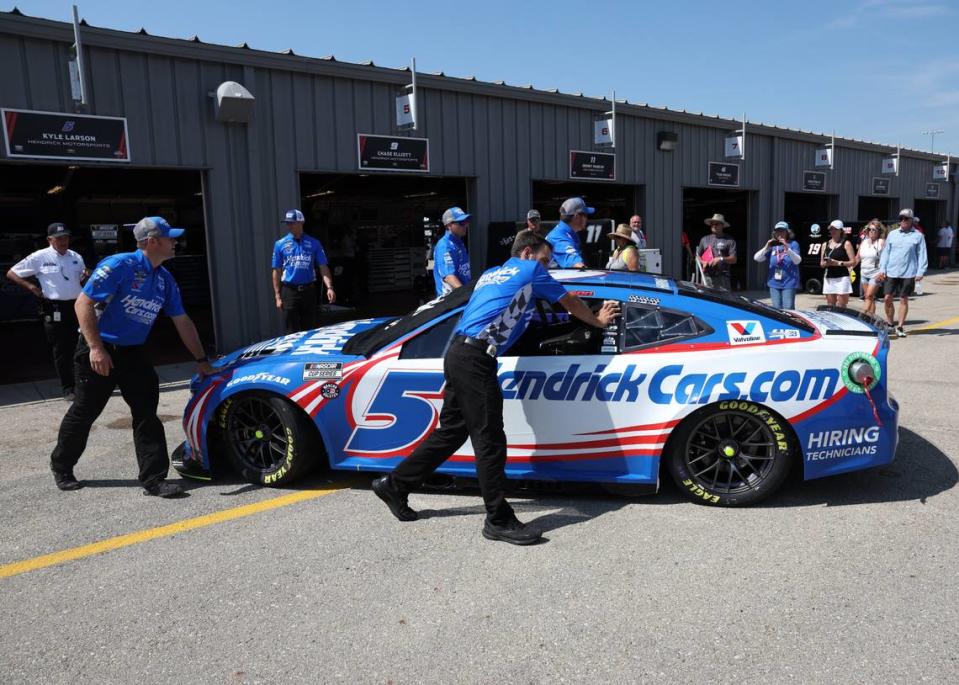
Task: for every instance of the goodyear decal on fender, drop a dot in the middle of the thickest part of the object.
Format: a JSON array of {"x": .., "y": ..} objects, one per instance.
[{"x": 669, "y": 385}]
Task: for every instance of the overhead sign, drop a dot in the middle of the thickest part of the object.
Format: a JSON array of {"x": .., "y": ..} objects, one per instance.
[
  {"x": 824, "y": 157},
  {"x": 813, "y": 180},
  {"x": 880, "y": 186},
  {"x": 940, "y": 172},
  {"x": 603, "y": 133},
  {"x": 599, "y": 166},
  {"x": 890, "y": 165},
  {"x": 734, "y": 146},
  {"x": 393, "y": 153},
  {"x": 55, "y": 135},
  {"x": 723, "y": 174},
  {"x": 932, "y": 190},
  {"x": 404, "y": 111}
]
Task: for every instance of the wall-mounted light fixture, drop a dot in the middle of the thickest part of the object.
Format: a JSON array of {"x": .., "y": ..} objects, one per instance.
[{"x": 667, "y": 141}]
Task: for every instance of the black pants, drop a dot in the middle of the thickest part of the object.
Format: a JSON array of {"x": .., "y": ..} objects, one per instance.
[
  {"x": 472, "y": 407},
  {"x": 299, "y": 307},
  {"x": 140, "y": 388},
  {"x": 60, "y": 326}
]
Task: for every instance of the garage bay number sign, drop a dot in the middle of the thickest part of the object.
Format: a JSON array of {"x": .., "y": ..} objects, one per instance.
[
  {"x": 598, "y": 166},
  {"x": 723, "y": 174},
  {"x": 388, "y": 153},
  {"x": 54, "y": 135}
]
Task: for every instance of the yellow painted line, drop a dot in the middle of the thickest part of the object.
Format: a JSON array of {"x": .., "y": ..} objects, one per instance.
[
  {"x": 120, "y": 541},
  {"x": 938, "y": 324}
]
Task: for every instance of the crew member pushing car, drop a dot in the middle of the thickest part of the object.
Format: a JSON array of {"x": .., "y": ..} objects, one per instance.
[
  {"x": 296, "y": 257},
  {"x": 116, "y": 311},
  {"x": 495, "y": 317},
  {"x": 59, "y": 271}
]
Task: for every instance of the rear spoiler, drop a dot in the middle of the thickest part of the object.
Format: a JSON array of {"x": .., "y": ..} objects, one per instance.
[{"x": 881, "y": 326}]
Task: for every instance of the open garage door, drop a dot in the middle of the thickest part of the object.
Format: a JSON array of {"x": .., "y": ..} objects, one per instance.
[
  {"x": 701, "y": 203},
  {"x": 882, "y": 208},
  {"x": 378, "y": 232},
  {"x": 98, "y": 204},
  {"x": 614, "y": 204}
]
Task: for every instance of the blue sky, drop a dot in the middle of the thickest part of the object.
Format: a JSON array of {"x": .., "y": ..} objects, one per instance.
[{"x": 879, "y": 70}]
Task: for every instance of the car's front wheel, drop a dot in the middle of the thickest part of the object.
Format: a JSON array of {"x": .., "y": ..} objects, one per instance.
[
  {"x": 267, "y": 439},
  {"x": 730, "y": 454}
]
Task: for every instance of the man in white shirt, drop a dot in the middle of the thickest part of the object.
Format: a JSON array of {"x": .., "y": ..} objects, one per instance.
[
  {"x": 59, "y": 270},
  {"x": 944, "y": 243},
  {"x": 639, "y": 235}
]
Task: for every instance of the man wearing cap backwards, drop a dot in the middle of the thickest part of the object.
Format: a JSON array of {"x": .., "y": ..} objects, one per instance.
[
  {"x": 451, "y": 263},
  {"x": 295, "y": 259},
  {"x": 573, "y": 217},
  {"x": 716, "y": 252},
  {"x": 903, "y": 261},
  {"x": 116, "y": 311},
  {"x": 533, "y": 221},
  {"x": 59, "y": 271},
  {"x": 495, "y": 317}
]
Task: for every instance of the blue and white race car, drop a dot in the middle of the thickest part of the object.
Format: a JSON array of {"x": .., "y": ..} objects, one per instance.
[{"x": 724, "y": 392}]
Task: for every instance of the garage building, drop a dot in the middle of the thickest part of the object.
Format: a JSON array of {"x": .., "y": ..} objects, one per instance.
[{"x": 493, "y": 148}]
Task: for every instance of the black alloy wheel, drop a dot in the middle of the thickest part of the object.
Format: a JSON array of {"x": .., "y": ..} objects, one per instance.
[
  {"x": 732, "y": 455},
  {"x": 266, "y": 438}
]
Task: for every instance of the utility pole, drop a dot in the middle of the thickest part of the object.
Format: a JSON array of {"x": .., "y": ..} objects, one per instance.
[{"x": 932, "y": 134}]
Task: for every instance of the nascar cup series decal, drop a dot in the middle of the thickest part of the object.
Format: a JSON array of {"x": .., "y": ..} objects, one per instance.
[
  {"x": 745, "y": 332},
  {"x": 847, "y": 378},
  {"x": 316, "y": 370}
]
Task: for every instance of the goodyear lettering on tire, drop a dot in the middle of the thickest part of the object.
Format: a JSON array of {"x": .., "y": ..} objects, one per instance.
[
  {"x": 760, "y": 413},
  {"x": 287, "y": 462}
]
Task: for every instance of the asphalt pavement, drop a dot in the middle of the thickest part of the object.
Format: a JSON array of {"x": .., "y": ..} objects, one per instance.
[{"x": 851, "y": 579}]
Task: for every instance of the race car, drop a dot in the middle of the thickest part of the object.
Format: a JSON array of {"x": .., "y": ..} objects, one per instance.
[{"x": 725, "y": 393}]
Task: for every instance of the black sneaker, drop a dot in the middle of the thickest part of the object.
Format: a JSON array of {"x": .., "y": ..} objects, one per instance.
[
  {"x": 513, "y": 532},
  {"x": 65, "y": 480},
  {"x": 163, "y": 489},
  {"x": 900, "y": 332},
  {"x": 395, "y": 500}
]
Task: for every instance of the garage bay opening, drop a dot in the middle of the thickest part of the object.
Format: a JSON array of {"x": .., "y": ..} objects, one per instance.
[{"x": 700, "y": 204}]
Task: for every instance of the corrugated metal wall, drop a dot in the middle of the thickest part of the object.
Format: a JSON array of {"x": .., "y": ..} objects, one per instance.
[{"x": 308, "y": 113}]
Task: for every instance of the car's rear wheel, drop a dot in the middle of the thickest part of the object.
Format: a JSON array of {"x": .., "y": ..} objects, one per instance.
[
  {"x": 731, "y": 454},
  {"x": 267, "y": 439}
]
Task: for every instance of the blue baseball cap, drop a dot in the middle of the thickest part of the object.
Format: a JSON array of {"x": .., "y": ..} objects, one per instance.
[
  {"x": 781, "y": 226},
  {"x": 293, "y": 216},
  {"x": 155, "y": 227},
  {"x": 455, "y": 215},
  {"x": 575, "y": 205}
]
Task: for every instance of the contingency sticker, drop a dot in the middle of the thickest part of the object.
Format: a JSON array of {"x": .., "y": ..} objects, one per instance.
[
  {"x": 316, "y": 370},
  {"x": 745, "y": 332},
  {"x": 330, "y": 390}
]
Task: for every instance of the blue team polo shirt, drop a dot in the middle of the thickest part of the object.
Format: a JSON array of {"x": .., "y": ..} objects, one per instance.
[
  {"x": 502, "y": 301},
  {"x": 450, "y": 259},
  {"x": 779, "y": 260},
  {"x": 297, "y": 258},
  {"x": 566, "y": 250},
  {"x": 134, "y": 293}
]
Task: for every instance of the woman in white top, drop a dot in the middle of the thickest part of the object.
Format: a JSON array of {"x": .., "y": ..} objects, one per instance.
[{"x": 869, "y": 250}]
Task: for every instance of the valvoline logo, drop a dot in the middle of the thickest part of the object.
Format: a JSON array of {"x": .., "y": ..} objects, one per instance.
[{"x": 745, "y": 332}]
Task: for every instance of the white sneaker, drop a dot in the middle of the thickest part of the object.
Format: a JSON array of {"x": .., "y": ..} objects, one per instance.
[{"x": 899, "y": 332}]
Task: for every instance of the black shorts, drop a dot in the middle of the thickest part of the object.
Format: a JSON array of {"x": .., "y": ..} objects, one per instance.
[
  {"x": 943, "y": 251},
  {"x": 898, "y": 287}
]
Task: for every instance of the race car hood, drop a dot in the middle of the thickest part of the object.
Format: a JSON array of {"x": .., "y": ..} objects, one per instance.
[{"x": 326, "y": 342}]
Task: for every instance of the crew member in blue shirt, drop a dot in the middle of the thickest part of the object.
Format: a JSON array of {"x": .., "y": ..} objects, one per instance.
[
  {"x": 116, "y": 311},
  {"x": 902, "y": 262},
  {"x": 451, "y": 262},
  {"x": 296, "y": 257},
  {"x": 495, "y": 317},
  {"x": 573, "y": 217}
]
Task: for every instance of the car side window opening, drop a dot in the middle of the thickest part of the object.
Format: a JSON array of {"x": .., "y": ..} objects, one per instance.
[
  {"x": 645, "y": 326},
  {"x": 553, "y": 331},
  {"x": 431, "y": 343}
]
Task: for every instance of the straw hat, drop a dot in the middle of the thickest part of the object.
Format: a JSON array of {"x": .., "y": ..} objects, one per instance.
[
  {"x": 716, "y": 218},
  {"x": 622, "y": 231}
]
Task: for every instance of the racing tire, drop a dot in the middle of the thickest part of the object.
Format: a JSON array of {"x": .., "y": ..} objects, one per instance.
[
  {"x": 731, "y": 454},
  {"x": 813, "y": 287},
  {"x": 268, "y": 440}
]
